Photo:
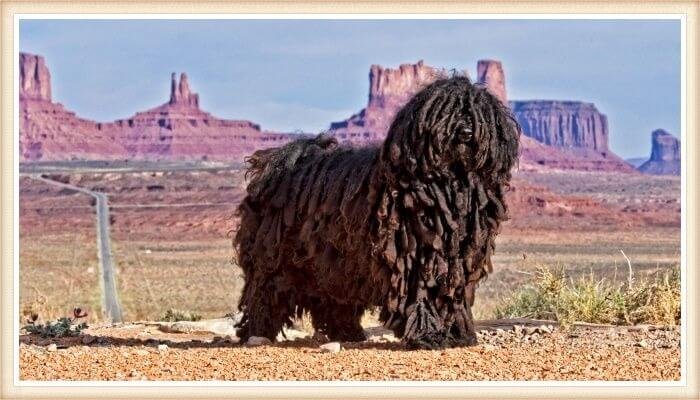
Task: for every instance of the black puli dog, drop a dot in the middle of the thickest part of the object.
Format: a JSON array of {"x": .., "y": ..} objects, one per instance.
[{"x": 408, "y": 226}]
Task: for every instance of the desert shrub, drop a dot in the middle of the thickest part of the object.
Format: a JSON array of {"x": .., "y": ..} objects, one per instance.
[
  {"x": 62, "y": 327},
  {"x": 659, "y": 301},
  {"x": 553, "y": 295},
  {"x": 172, "y": 315}
]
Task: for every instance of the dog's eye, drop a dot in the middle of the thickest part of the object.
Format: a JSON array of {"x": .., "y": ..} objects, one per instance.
[{"x": 464, "y": 134}]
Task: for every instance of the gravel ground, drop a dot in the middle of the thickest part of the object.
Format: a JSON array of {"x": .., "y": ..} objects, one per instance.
[{"x": 142, "y": 352}]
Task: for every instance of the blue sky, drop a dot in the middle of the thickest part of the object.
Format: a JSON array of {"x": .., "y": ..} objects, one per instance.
[{"x": 302, "y": 74}]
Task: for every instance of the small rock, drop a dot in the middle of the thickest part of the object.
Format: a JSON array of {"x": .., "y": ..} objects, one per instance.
[
  {"x": 230, "y": 339},
  {"x": 518, "y": 330},
  {"x": 643, "y": 343},
  {"x": 291, "y": 334},
  {"x": 545, "y": 329},
  {"x": 332, "y": 347},
  {"x": 52, "y": 347},
  {"x": 87, "y": 339},
  {"x": 551, "y": 328},
  {"x": 500, "y": 332},
  {"x": 221, "y": 326},
  {"x": 162, "y": 347},
  {"x": 390, "y": 337},
  {"x": 258, "y": 341}
]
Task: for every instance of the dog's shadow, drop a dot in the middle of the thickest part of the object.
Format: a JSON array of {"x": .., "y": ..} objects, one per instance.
[
  {"x": 110, "y": 341},
  {"x": 376, "y": 341}
]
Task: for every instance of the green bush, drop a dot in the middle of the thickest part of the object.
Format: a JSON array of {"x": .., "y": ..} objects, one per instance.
[{"x": 596, "y": 300}]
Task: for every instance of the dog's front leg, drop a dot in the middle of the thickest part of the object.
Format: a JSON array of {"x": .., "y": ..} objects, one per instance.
[
  {"x": 424, "y": 328},
  {"x": 463, "y": 332}
]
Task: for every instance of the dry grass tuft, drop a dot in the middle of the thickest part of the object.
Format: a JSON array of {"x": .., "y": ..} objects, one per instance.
[
  {"x": 172, "y": 315},
  {"x": 553, "y": 295}
]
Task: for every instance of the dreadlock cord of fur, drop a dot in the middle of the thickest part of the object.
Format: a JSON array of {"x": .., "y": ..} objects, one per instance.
[{"x": 408, "y": 226}]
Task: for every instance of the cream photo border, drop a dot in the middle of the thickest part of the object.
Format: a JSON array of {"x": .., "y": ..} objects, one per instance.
[{"x": 13, "y": 11}]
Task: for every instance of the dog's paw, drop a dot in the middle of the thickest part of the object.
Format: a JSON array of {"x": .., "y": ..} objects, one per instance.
[
  {"x": 439, "y": 340},
  {"x": 428, "y": 341}
]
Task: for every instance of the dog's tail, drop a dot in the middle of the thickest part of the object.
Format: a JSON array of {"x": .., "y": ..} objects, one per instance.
[{"x": 269, "y": 166}]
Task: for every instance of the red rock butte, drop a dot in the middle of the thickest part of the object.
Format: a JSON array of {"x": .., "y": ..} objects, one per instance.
[
  {"x": 389, "y": 90},
  {"x": 665, "y": 156},
  {"x": 490, "y": 73}
]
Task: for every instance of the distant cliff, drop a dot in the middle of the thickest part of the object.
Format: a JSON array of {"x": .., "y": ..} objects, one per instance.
[
  {"x": 665, "y": 156},
  {"x": 563, "y": 123}
]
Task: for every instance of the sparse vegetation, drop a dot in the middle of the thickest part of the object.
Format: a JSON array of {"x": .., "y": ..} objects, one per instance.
[
  {"x": 172, "y": 315},
  {"x": 63, "y": 327},
  {"x": 553, "y": 295}
]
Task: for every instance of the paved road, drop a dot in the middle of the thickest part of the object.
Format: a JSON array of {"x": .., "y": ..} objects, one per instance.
[{"x": 110, "y": 299}]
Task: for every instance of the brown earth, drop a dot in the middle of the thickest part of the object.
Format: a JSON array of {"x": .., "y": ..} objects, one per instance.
[{"x": 136, "y": 352}]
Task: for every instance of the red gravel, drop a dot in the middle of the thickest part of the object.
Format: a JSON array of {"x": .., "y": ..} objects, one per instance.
[{"x": 131, "y": 353}]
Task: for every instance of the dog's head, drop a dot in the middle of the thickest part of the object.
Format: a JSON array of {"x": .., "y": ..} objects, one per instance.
[{"x": 453, "y": 126}]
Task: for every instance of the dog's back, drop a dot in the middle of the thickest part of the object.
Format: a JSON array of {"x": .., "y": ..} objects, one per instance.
[{"x": 304, "y": 198}]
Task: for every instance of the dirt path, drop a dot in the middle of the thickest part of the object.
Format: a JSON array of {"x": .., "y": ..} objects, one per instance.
[{"x": 143, "y": 352}]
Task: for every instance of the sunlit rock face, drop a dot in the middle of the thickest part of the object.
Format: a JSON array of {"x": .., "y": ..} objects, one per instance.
[{"x": 665, "y": 156}]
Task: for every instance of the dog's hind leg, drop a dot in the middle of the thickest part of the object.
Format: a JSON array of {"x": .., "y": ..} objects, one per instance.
[
  {"x": 267, "y": 307},
  {"x": 340, "y": 322}
]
